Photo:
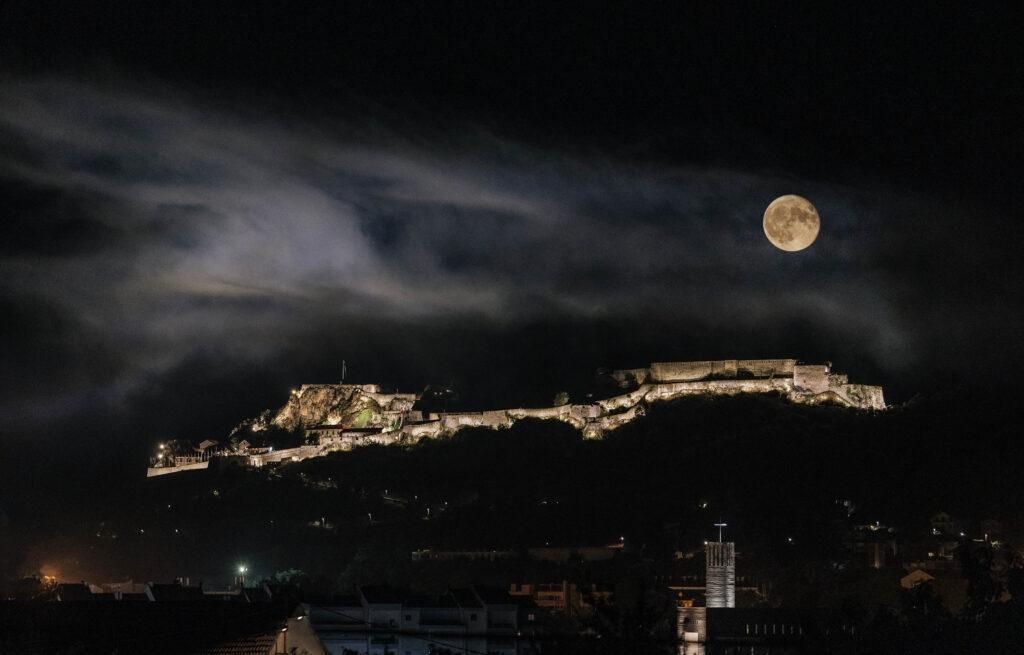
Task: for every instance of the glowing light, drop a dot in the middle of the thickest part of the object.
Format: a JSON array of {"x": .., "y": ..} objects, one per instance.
[{"x": 242, "y": 568}]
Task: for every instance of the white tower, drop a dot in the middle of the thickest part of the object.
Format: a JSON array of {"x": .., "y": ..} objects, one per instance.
[{"x": 721, "y": 571}]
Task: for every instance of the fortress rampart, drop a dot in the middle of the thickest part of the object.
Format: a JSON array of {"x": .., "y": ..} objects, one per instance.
[{"x": 338, "y": 417}]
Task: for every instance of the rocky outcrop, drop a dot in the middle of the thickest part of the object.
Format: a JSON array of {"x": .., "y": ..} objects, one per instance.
[{"x": 331, "y": 404}]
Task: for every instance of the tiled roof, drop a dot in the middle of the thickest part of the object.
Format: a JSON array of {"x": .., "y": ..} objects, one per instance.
[
  {"x": 256, "y": 594},
  {"x": 494, "y": 596},
  {"x": 132, "y": 597},
  {"x": 465, "y": 598},
  {"x": 261, "y": 643},
  {"x": 335, "y": 600},
  {"x": 175, "y": 592},
  {"x": 73, "y": 592},
  {"x": 382, "y": 594}
]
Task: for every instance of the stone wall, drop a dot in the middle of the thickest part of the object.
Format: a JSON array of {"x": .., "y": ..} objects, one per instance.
[
  {"x": 723, "y": 368},
  {"x": 489, "y": 419},
  {"x": 860, "y": 396},
  {"x": 154, "y": 471},
  {"x": 417, "y": 431},
  {"x": 599, "y": 426},
  {"x": 674, "y": 390},
  {"x": 397, "y": 402},
  {"x": 811, "y": 377},
  {"x": 291, "y": 454},
  {"x": 865, "y": 396},
  {"x": 766, "y": 367},
  {"x": 559, "y": 412},
  {"x": 623, "y": 401},
  {"x": 688, "y": 371}
]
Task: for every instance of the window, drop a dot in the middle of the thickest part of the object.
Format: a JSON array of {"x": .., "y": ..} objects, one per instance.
[
  {"x": 408, "y": 617},
  {"x": 472, "y": 617}
]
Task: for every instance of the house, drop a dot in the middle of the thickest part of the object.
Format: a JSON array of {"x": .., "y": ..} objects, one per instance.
[
  {"x": 378, "y": 620},
  {"x": 562, "y": 597},
  {"x": 345, "y": 438},
  {"x": 694, "y": 595},
  {"x": 147, "y": 627},
  {"x": 74, "y": 593},
  {"x": 757, "y": 625},
  {"x": 173, "y": 593},
  {"x": 264, "y": 642},
  {"x": 490, "y": 555},
  {"x": 943, "y": 524},
  {"x": 501, "y": 609},
  {"x": 383, "y": 606},
  {"x": 564, "y": 553},
  {"x": 947, "y": 582}
]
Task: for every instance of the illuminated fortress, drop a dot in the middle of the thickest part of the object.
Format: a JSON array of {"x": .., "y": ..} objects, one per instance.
[{"x": 337, "y": 417}]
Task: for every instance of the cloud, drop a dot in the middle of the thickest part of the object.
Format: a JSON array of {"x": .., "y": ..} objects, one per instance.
[{"x": 164, "y": 229}]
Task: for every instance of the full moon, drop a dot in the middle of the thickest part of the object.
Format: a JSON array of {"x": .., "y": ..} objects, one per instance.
[{"x": 791, "y": 223}]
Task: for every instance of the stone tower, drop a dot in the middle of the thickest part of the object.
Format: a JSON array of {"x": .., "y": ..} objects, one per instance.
[{"x": 721, "y": 574}]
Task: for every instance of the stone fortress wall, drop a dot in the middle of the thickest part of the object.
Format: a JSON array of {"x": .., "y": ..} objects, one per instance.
[{"x": 339, "y": 417}]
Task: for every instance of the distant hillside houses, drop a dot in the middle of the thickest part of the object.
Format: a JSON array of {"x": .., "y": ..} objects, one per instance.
[{"x": 339, "y": 417}]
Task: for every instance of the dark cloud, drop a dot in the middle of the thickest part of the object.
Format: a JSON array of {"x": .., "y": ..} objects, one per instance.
[{"x": 151, "y": 235}]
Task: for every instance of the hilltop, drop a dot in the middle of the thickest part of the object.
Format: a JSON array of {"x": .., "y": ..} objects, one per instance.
[
  {"x": 339, "y": 417},
  {"x": 773, "y": 469}
]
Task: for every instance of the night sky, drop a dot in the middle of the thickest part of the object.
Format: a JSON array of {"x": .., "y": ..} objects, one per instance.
[{"x": 205, "y": 206}]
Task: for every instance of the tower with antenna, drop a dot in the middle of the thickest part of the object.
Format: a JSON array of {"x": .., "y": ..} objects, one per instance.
[{"x": 721, "y": 571}]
